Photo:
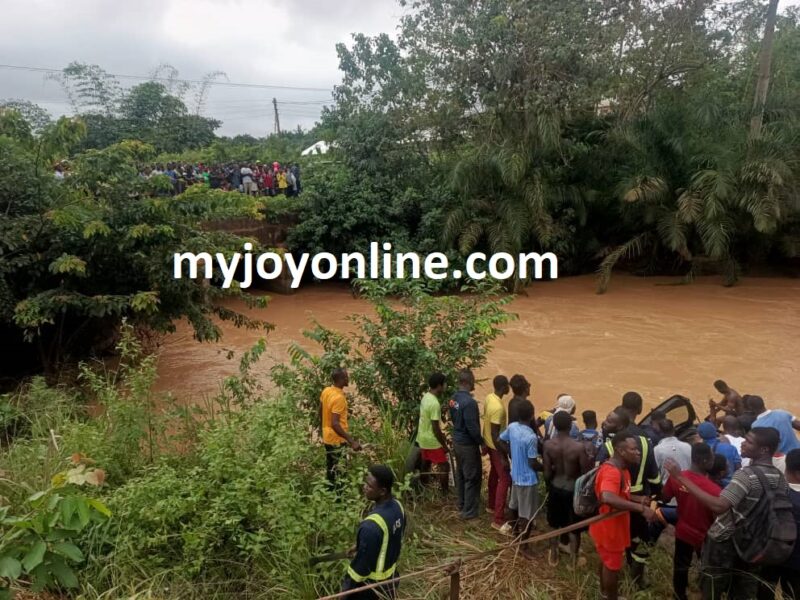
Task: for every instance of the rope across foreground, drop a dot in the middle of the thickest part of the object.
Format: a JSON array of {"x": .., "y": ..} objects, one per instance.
[{"x": 454, "y": 565}]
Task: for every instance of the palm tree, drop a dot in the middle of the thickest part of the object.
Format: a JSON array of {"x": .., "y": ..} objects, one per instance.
[
  {"x": 698, "y": 186},
  {"x": 510, "y": 184}
]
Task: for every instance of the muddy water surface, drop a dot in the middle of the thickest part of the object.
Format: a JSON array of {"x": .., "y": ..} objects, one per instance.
[{"x": 642, "y": 335}]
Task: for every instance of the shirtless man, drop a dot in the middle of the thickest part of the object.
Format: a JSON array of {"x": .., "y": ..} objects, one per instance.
[
  {"x": 731, "y": 402},
  {"x": 565, "y": 459}
]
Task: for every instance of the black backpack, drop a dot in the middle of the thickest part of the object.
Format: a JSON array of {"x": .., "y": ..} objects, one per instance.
[{"x": 767, "y": 535}]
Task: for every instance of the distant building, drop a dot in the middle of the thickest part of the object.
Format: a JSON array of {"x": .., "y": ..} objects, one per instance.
[
  {"x": 605, "y": 107},
  {"x": 320, "y": 147}
]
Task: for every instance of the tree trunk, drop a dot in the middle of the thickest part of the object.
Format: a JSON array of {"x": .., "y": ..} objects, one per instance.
[{"x": 764, "y": 67}]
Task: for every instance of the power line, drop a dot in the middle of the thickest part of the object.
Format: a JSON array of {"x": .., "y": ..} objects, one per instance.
[{"x": 192, "y": 81}]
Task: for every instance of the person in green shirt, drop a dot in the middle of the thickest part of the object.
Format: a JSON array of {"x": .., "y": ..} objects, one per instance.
[{"x": 430, "y": 437}]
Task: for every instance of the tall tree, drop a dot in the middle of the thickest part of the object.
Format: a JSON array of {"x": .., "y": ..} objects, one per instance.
[{"x": 764, "y": 69}]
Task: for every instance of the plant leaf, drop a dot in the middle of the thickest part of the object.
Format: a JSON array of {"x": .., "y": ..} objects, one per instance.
[
  {"x": 69, "y": 550},
  {"x": 10, "y": 568},
  {"x": 34, "y": 556}
]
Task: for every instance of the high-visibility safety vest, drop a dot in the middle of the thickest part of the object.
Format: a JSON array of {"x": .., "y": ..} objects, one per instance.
[
  {"x": 381, "y": 571},
  {"x": 638, "y": 486}
]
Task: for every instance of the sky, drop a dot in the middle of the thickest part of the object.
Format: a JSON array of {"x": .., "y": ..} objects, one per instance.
[{"x": 288, "y": 43}]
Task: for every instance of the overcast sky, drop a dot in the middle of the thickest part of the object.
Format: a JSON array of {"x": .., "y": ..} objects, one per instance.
[{"x": 274, "y": 42}]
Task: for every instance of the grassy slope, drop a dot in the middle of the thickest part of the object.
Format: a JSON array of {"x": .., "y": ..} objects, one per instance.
[{"x": 436, "y": 534}]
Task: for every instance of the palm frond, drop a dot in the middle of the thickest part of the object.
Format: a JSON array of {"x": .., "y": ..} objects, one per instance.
[
  {"x": 690, "y": 206},
  {"x": 470, "y": 235},
  {"x": 716, "y": 237},
  {"x": 630, "y": 249},
  {"x": 644, "y": 188},
  {"x": 673, "y": 231}
]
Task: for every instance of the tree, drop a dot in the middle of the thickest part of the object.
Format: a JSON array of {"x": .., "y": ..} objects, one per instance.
[
  {"x": 79, "y": 255},
  {"x": 152, "y": 112},
  {"x": 34, "y": 114},
  {"x": 764, "y": 66},
  {"x": 391, "y": 354}
]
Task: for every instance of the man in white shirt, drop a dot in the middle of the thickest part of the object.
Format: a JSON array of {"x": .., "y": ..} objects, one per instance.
[
  {"x": 732, "y": 429},
  {"x": 671, "y": 447},
  {"x": 249, "y": 186}
]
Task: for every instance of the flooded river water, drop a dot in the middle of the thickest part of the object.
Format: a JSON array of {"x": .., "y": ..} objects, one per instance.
[{"x": 642, "y": 335}]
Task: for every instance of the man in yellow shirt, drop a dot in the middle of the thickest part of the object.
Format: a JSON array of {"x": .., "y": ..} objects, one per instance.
[
  {"x": 494, "y": 422},
  {"x": 333, "y": 408}
]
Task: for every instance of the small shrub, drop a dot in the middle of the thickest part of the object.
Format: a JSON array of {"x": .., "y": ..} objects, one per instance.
[{"x": 38, "y": 543}]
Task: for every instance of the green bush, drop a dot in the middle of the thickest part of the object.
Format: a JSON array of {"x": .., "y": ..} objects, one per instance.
[
  {"x": 37, "y": 541},
  {"x": 392, "y": 354}
]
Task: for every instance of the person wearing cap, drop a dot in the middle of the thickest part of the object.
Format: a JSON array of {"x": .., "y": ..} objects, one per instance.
[
  {"x": 564, "y": 403},
  {"x": 379, "y": 539},
  {"x": 721, "y": 447}
]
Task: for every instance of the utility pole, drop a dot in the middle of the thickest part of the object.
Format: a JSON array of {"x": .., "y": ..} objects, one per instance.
[
  {"x": 764, "y": 68},
  {"x": 277, "y": 117}
]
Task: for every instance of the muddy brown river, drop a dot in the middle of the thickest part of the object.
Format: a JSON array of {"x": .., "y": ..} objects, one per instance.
[{"x": 642, "y": 335}]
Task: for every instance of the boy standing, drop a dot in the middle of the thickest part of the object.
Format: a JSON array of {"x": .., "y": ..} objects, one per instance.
[
  {"x": 694, "y": 518},
  {"x": 591, "y": 434},
  {"x": 520, "y": 442},
  {"x": 565, "y": 459},
  {"x": 430, "y": 437},
  {"x": 494, "y": 422}
]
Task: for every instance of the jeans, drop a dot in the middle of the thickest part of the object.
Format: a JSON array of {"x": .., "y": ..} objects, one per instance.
[
  {"x": 683, "y": 561},
  {"x": 724, "y": 572},
  {"x": 499, "y": 484},
  {"x": 468, "y": 479}
]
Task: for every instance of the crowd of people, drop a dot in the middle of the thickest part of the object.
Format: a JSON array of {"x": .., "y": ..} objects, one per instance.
[
  {"x": 248, "y": 178},
  {"x": 730, "y": 486}
]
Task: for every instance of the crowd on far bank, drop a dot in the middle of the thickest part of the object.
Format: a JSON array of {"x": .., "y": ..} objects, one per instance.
[
  {"x": 248, "y": 178},
  {"x": 256, "y": 179},
  {"x": 729, "y": 486}
]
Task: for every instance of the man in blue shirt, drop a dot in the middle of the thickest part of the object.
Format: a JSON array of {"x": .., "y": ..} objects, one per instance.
[
  {"x": 380, "y": 538},
  {"x": 591, "y": 434},
  {"x": 780, "y": 420},
  {"x": 467, "y": 442},
  {"x": 520, "y": 442}
]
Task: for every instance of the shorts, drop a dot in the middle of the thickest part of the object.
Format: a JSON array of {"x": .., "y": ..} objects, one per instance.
[
  {"x": 559, "y": 508},
  {"x": 250, "y": 186},
  {"x": 524, "y": 499},
  {"x": 611, "y": 559},
  {"x": 436, "y": 456}
]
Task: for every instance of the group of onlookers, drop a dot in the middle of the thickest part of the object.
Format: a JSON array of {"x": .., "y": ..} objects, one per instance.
[
  {"x": 730, "y": 486},
  {"x": 248, "y": 178},
  {"x": 711, "y": 484}
]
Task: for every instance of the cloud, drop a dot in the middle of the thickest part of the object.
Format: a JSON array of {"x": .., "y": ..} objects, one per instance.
[{"x": 276, "y": 42}]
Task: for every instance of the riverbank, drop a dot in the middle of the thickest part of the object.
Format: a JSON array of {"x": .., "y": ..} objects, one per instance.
[{"x": 644, "y": 334}]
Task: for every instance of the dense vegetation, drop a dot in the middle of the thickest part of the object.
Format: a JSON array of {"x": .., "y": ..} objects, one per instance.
[
  {"x": 219, "y": 500},
  {"x": 602, "y": 131},
  {"x": 81, "y": 253},
  {"x": 596, "y": 130}
]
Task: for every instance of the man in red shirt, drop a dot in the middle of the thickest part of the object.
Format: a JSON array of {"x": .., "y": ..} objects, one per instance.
[
  {"x": 694, "y": 518},
  {"x": 613, "y": 489}
]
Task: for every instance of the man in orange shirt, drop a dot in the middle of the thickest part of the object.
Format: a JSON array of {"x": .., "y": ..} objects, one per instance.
[
  {"x": 613, "y": 489},
  {"x": 333, "y": 408}
]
